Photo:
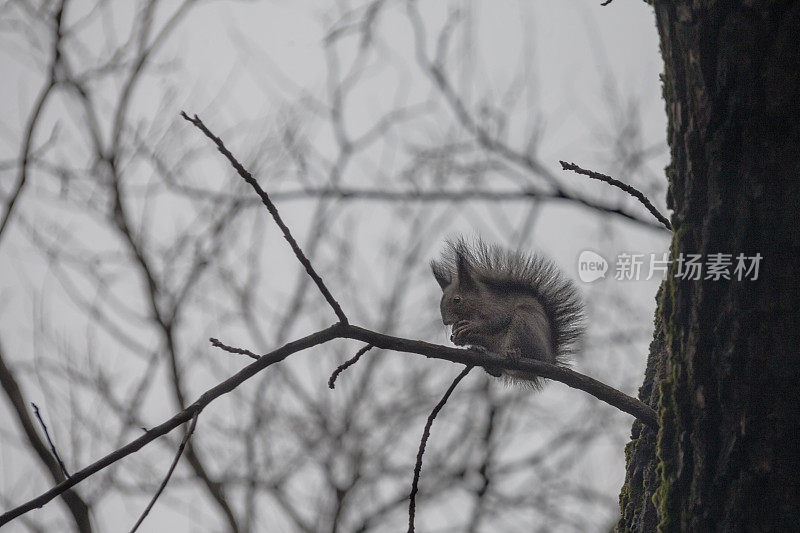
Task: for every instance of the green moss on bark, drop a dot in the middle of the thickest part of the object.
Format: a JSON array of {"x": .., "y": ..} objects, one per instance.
[{"x": 724, "y": 369}]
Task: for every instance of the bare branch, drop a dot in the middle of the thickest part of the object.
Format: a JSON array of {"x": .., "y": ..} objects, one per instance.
[
  {"x": 44, "y": 95},
  {"x": 347, "y": 364},
  {"x": 412, "y": 505},
  {"x": 230, "y": 349},
  {"x": 169, "y": 472},
  {"x": 76, "y": 505},
  {"x": 624, "y": 186},
  {"x": 436, "y": 71},
  {"x": 50, "y": 441},
  {"x": 443, "y": 195},
  {"x": 177, "y": 420},
  {"x": 569, "y": 377},
  {"x": 275, "y": 215}
]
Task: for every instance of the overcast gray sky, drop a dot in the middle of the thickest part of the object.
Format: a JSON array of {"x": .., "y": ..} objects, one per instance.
[{"x": 243, "y": 64}]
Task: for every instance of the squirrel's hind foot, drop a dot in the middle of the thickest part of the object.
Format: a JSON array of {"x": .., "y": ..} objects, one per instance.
[{"x": 491, "y": 370}]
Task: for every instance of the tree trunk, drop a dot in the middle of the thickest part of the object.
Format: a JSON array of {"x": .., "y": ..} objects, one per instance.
[{"x": 723, "y": 367}]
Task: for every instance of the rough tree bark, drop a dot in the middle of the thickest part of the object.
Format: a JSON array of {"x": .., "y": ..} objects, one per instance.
[{"x": 723, "y": 368}]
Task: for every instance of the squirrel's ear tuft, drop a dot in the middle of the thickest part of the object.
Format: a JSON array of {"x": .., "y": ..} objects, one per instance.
[
  {"x": 441, "y": 274},
  {"x": 466, "y": 278}
]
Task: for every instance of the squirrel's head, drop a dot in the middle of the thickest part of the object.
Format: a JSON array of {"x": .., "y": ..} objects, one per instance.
[{"x": 460, "y": 289}]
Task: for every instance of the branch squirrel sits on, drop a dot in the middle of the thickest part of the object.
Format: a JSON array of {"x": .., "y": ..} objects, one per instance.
[{"x": 509, "y": 303}]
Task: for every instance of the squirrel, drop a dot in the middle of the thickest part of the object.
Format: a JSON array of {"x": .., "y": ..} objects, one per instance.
[{"x": 509, "y": 303}]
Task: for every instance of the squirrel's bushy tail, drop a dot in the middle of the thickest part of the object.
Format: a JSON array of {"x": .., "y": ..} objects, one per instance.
[{"x": 507, "y": 270}]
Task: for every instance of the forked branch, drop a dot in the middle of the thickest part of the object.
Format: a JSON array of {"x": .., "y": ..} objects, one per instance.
[{"x": 569, "y": 377}]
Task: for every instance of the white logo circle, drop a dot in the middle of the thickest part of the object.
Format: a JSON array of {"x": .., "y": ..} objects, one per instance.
[{"x": 591, "y": 266}]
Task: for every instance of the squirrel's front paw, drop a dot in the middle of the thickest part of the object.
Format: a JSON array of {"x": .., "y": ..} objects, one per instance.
[
  {"x": 512, "y": 353},
  {"x": 463, "y": 331}
]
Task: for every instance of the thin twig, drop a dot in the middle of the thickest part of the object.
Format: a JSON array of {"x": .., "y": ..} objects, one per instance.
[
  {"x": 275, "y": 215},
  {"x": 412, "y": 504},
  {"x": 169, "y": 472},
  {"x": 230, "y": 349},
  {"x": 350, "y": 362},
  {"x": 50, "y": 441},
  {"x": 624, "y": 186},
  {"x": 76, "y": 505}
]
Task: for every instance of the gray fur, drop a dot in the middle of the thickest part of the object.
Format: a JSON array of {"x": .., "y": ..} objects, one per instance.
[{"x": 510, "y": 303}]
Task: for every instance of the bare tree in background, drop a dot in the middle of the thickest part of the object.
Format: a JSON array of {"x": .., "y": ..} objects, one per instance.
[{"x": 165, "y": 247}]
